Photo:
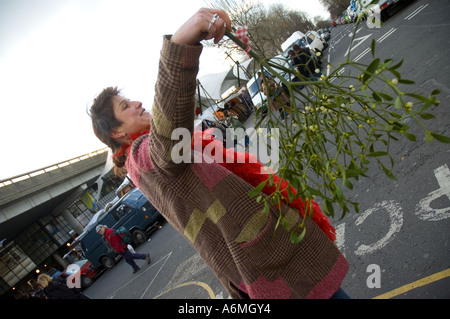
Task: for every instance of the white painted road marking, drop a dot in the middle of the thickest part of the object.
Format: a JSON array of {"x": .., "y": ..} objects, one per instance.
[
  {"x": 359, "y": 40},
  {"x": 382, "y": 38},
  {"x": 338, "y": 73},
  {"x": 424, "y": 210},
  {"x": 153, "y": 264},
  {"x": 396, "y": 218},
  {"x": 360, "y": 56},
  {"x": 417, "y": 11}
]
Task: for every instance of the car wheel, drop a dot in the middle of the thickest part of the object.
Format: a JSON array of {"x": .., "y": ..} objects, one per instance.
[
  {"x": 139, "y": 237},
  {"x": 86, "y": 281},
  {"x": 107, "y": 262}
]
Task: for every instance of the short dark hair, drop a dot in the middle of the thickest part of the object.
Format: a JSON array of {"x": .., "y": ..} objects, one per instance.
[{"x": 103, "y": 119}]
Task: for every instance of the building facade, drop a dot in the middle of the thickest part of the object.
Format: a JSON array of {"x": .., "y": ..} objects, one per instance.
[{"x": 39, "y": 244}]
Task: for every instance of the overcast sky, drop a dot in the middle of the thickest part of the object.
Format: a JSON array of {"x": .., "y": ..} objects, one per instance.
[{"x": 57, "y": 55}]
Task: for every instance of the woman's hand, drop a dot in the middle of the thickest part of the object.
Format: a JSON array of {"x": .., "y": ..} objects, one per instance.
[{"x": 203, "y": 27}]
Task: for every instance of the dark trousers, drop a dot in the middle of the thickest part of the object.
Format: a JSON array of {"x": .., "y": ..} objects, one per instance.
[
  {"x": 130, "y": 257},
  {"x": 340, "y": 294}
]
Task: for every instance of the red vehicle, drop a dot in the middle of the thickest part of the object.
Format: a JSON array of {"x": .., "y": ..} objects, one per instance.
[{"x": 87, "y": 272}]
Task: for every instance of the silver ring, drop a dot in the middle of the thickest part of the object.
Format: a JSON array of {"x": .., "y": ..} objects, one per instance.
[{"x": 213, "y": 20}]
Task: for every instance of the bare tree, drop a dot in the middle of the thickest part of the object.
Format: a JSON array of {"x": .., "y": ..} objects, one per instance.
[
  {"x": 268, "y": 28},
  {"x": 321, "y": 23},
  {"x": 242, "y": 12},
  {"x": 279, "y": 24},
  {"x": 335, "y": 7}
]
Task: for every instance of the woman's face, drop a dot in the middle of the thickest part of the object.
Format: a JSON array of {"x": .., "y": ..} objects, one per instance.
[{"x": 134, "y": 118}]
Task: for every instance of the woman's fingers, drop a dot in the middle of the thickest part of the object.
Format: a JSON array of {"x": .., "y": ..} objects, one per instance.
[
  {"x": 204, "y": 25},
  {"x": 220, "y": 24}
]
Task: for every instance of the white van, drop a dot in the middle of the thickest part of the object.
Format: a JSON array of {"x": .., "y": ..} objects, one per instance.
[
  {"x": 315, "y": 42},
  {"x": 293, "y": 38}
]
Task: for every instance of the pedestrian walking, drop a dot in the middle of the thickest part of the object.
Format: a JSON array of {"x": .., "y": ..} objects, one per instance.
[
  {"x": 208, "y": 202},
  {"x": 114, "y": 240}
]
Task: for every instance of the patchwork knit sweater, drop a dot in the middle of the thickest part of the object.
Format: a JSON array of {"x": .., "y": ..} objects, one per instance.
[{"x": 210, "y": 205}]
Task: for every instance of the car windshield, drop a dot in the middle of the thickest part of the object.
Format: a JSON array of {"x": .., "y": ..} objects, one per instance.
[
  {"x": 254, "y": 87},
  {"x": 278, "y": 61},
  {"x": 282, "y": 62},
  {"x": 81, "y": 262},
  {"x": 301, "y": 43}
]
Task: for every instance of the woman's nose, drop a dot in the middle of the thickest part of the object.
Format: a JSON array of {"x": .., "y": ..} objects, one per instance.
[{"x": 137, "y": 104}]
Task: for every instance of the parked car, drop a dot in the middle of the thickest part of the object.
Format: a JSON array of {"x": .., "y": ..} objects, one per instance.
[
  {"x": 87, "y": 272},
  {"x": 315, "y": 42},
  {"x": 135, "y": 213},
  {"x": 325, "y": 34},
  {"x": 382, "y": 7},
  {"x": 259, "y": 99},
  {"x": 54, "y": 273},
  {"x": 282, "y": 64},
  {"x": 294, "y": 38}
]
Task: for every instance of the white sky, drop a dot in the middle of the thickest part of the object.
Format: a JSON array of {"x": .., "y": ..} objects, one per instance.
[{"x": 57, "y": 55}]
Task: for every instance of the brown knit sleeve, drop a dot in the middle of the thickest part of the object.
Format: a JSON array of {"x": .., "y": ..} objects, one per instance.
[{"x": 174, "y": 102}]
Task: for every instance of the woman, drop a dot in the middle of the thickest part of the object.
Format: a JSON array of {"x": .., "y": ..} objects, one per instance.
[
  {"x": 295, "y": 61},
  {"x": 57, "y": 289},
  {"x": 207, "y": 202}
]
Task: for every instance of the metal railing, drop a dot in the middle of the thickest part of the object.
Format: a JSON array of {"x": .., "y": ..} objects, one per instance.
[{"x": 21, "y": 177}]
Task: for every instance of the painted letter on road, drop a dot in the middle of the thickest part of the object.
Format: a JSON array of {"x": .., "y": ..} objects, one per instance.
[
  {"x": 396, "y": 222},
  {"x": 424, "y": 210}
]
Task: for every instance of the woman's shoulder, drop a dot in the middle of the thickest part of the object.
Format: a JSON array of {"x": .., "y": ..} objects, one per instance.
[{"x": 139, "y": 158}]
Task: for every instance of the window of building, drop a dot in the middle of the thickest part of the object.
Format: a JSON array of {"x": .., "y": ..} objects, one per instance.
[
  {"x": 14, "y": 264},
  {"x": 36, "y": 243},
  {"x": 57, "y": 227},
  {"x": 81, "y": 212}
]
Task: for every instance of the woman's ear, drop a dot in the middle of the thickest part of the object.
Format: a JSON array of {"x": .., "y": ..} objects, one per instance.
[{"x": 117, "y": 134}]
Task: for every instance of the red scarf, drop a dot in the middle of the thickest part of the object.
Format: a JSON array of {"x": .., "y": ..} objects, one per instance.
[
  {"x": 126, "y": 147},
  {"x": 253, "y": 174}
]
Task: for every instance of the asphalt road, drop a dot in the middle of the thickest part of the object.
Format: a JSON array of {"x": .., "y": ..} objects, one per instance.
[
  {"x": 403, "y": 225},
  {"x": 400, "y": 238},
  {"x": 176, "y": 271}
]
